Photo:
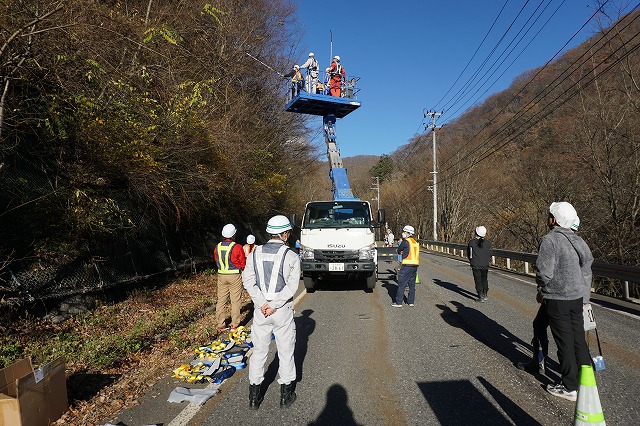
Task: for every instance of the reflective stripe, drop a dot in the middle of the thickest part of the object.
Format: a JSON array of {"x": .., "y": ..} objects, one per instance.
[
  {"x": 225, "y": 266},
  {"x": 269, "y": 288},
  {"x": 413, "y": 258}
]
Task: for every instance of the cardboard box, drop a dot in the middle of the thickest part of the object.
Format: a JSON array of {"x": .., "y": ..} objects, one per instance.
[{"x": 31, "y": 397}]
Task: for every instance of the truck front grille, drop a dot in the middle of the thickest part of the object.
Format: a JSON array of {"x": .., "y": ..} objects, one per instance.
[{"x": 336, "y": 255}]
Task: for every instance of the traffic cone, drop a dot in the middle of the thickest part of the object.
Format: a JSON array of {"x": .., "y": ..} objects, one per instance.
[{"x": 588, "y": 408}]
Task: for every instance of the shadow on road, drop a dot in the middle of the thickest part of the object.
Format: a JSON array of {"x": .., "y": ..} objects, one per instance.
[
  {"x": 336, "y": 411},
  {"x": 486, "y": 331},
  {"x": 305, "y": 326},
  {"x": 456, "y": 289},
  {"x": 458, "y": 402}
]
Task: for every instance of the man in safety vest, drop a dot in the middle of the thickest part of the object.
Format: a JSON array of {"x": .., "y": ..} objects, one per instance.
[
  {"x": 296, "y": 80},
  {"x": 271, "y": 278},
  {"x": 409, "y": 249},
  {"x": 251, "y": 244},
  {"x": 338, "y": 76},
  {"x": 230, "y": 259},
  {"x": 311, "y": 80}
]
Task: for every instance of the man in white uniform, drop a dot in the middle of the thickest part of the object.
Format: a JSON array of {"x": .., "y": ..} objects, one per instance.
[{"x": 271, "y": 277}]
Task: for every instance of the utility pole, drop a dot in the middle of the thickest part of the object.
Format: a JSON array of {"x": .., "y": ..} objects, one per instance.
[
  {"x": 434, "y": 115},
  {"x": 376, "y": 187}
]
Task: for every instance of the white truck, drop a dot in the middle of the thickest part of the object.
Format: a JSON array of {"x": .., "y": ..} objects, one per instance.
[{"x": 337, "y": 241}]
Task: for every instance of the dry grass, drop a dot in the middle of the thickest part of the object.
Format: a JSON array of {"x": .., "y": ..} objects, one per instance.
[{"x": 115, "y": 353}]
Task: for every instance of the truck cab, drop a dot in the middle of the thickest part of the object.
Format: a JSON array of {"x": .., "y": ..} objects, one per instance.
[{"x": 337, "y": 241}]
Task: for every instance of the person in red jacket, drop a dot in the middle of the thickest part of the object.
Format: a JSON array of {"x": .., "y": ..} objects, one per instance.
[
  {"x": 230, "y": 259},
  {"x": 338, "y": 75}
]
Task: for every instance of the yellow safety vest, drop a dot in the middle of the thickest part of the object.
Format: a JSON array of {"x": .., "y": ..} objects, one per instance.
[
  {"x": 224, "y": 263},
  {"x": 414, "y": 253}
]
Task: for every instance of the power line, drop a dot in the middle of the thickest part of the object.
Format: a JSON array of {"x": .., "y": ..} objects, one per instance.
[
  {"x": 539, "y": 96},
  {"x": 509, "y": 139}
]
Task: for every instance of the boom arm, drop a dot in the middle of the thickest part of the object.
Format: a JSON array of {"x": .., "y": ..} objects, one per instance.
[{"x": 338, "y": 173}]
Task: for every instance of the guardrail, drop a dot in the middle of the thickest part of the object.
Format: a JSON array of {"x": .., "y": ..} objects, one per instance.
[{"x": 624, "y": 273}]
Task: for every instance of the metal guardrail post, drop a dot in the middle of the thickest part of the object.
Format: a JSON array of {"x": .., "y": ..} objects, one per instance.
[
  {"x": 526, "y": 268},
  {"x": 625, "y": 289},
  {"x": 508, "y": 263}
]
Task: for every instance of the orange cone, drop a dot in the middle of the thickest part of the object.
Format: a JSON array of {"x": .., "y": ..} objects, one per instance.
[{"x": 588, "y": 408}]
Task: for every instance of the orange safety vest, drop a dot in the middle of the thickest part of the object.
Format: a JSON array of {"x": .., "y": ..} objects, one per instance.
[
  {"x": 248, "y": 248},
  {"x": 414, "y": 253}
]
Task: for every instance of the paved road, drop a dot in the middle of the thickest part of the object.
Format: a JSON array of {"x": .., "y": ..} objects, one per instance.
[{"x": 448, "y": 360}]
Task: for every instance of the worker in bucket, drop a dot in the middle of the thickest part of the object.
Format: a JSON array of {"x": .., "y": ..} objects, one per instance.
[
  {"x": 296, "y": 80},
  {"x": 337, "y": 76},
  {"x": 271, "y": 278},
  {"x": 311, "y": 79}
]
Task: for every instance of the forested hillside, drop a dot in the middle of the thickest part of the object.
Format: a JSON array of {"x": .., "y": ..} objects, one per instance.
[
  {"x": 132, "y": 130},
  {"x": 567, "y": 131}
]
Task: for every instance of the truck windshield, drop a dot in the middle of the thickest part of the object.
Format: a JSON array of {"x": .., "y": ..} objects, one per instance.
[{"x": 337, "y": 214}]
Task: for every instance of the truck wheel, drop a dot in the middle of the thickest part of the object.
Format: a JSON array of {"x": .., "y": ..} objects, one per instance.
[
  {"x": 309, "y": 284},
  {"x": 371, "y": 282}
]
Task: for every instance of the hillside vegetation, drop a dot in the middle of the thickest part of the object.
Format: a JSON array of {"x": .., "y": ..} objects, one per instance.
[{"x": 568, "y": 131}]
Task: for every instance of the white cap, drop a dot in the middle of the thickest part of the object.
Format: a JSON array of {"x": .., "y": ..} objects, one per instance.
[
  {"x": 564, "y": 213},
  {"x": 337, "y": 58},
  {"x": 311, "y": 54},
  {"x": 409, "y": 229},
  {"x": 251, "y": 239},
  {"x": 278, "y": 224},
  {"x": 296, "y": 67},
  {"x": 481, "y": 231},
  {"x": 228, "y": 230}
]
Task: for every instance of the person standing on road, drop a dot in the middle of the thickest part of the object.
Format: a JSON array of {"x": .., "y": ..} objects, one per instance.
[
  {"x": 409, "y": 250},
  {"x": 389, "y": 238},
  {"x": 540, "y": 341},
  {"x": 563, "y": 276},
  {"x": 271, "y": 278},
  {"x": 230, "y": 259},
  {"x": 479, "y": 254},
  {"x": 311, "y": 79}
]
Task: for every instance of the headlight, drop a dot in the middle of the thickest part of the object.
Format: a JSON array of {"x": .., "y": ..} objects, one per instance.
[
  {"x": 307, "y": 253},
  {"x": 367, "y": 253}
]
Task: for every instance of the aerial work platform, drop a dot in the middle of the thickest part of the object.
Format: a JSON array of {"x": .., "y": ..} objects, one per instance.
[{"x": 322, "y": 105}]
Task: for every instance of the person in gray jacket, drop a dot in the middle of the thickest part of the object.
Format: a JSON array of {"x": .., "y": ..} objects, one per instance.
[
  {"x": 563, "y": 276},
  {"x": 479, "y": 254}
]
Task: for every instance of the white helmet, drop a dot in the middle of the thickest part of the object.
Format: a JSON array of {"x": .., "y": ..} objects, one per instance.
[
  {"x": 409, "y": 229},
  {"x": 296, "y": 67},
  {"x": 337, "y": 58},
  {"x": 311, "y": 55},
  {"x": 228, "y": 230},
  {"x": 481, "y": 231},
  {"x": 278, "y": 224},
  {"x": 251, "y": 239}
]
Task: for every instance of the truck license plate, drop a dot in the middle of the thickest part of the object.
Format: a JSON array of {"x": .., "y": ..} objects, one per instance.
[{"x": 336, "y": 267}]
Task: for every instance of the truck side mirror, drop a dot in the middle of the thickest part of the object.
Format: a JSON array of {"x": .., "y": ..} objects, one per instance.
[
  {"x": 381, "y": 216},
  {"x": 292, "y": 219}
]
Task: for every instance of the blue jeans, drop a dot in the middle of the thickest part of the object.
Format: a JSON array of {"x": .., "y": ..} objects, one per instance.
[{"x": 406, "y": 276}]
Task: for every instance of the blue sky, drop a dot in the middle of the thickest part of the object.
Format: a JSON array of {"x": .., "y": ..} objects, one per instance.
[{"x": 408, "y": 54}]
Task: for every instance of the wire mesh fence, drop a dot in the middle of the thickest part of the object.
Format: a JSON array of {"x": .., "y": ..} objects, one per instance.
[{"x": 30, "y": 203}]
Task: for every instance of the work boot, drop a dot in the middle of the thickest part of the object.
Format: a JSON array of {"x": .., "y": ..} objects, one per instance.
[
  {"x": 255, "y": 396},
  {"x": 287, "y": 395}
]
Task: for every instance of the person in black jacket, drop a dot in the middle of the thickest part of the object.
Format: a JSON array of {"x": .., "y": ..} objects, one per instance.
[{"x": 479, "y": 254}]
